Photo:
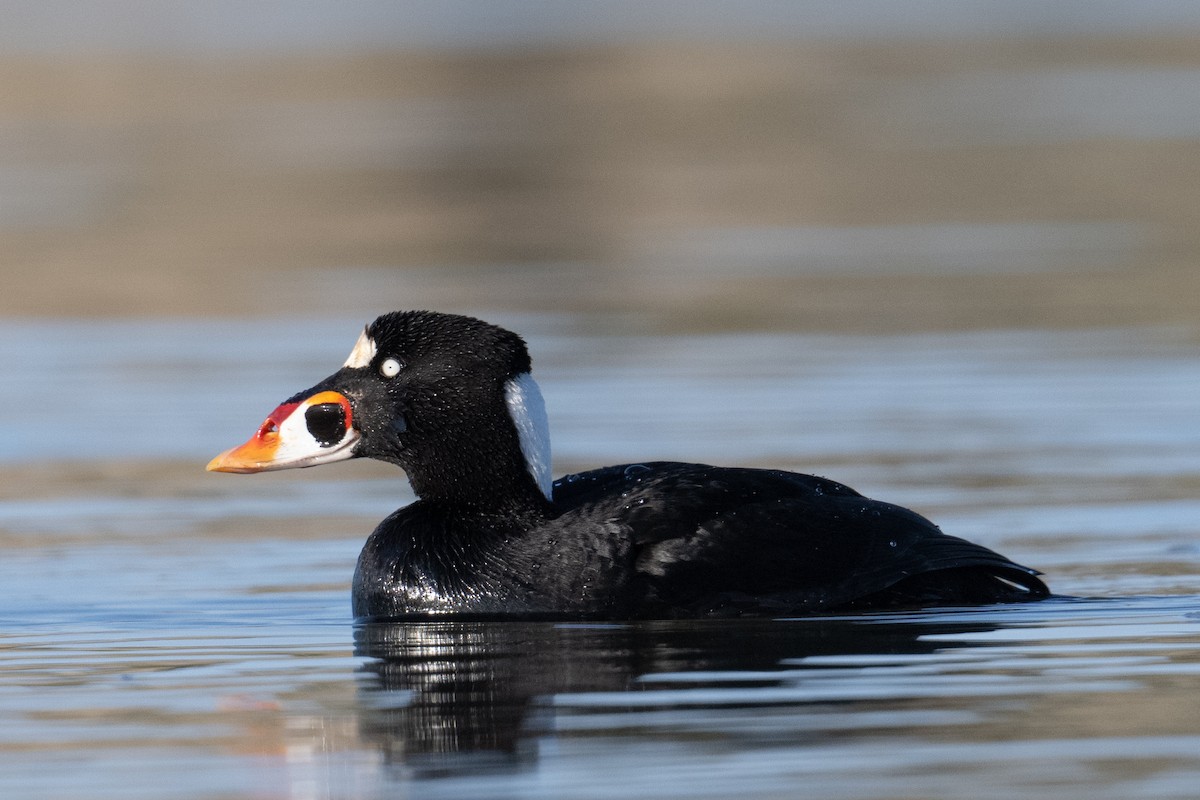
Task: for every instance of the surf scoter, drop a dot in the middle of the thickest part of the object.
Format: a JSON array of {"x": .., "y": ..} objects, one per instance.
[{"x": 451, "y": 401}]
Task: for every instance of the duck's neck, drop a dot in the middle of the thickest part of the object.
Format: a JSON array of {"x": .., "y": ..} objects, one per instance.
[
  {"x": 492, "y": 490},
  {"x": 489, "y": 481},
  {"x": 492, "y": 461}
]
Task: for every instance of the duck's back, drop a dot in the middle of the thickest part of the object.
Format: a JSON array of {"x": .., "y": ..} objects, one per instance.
[{"x": 727, "y": 540}]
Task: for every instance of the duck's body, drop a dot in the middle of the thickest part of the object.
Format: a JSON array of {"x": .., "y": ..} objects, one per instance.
[
  {"x": 450, "y": 399},
  {"x": 666, "y": 539}
]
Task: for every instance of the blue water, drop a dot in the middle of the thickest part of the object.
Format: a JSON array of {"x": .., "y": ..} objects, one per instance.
[
  {"x": 1075, "y": 698},
  {"x": 167, "y": 632}
]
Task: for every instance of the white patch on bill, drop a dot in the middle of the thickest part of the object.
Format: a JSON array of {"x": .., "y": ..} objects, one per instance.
[
  {"x": 363, "y": 352},
  {"x": 298, "y": 447},
  {"x": 528, "y": 412}
]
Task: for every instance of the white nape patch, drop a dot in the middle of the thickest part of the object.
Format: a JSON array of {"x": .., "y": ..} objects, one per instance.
[
  {"x": 363, "y": 352},
  {"x": 528, "y": 412}
]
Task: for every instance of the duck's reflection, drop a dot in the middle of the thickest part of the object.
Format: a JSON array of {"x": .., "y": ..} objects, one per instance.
[
  {"x": 457, "y": 695},
  {"x": 441, "y": 688}
]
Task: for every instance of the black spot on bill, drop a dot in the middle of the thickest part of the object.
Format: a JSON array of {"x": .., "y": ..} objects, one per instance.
[{"x": 326, "y": 422}]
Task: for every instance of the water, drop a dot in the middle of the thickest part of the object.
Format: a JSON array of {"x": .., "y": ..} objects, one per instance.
[{"x": 170, "y": 631}]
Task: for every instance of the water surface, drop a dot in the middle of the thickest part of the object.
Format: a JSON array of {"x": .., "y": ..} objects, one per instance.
[{"x": 166, "y": 628}]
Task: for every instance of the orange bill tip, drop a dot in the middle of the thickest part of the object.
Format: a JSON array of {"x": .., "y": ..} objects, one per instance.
[{"x": 257, "y": 453}]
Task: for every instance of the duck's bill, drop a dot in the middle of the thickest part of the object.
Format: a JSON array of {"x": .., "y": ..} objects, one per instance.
[{"x": 318, "y": 430}]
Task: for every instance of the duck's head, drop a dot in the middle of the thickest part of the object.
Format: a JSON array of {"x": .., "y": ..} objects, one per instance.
[{"x": 448, "y": 398}]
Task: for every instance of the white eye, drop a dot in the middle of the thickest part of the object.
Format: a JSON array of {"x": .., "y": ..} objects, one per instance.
[{"x": 389, "y": 368}]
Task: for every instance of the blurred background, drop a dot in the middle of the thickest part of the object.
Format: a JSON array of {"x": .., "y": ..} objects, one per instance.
[{"x": 854, "y": 166}]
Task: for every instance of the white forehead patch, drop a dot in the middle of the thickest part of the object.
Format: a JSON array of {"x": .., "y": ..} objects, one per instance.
[
  {"x": 363, "y": 352},
  {"x": 528, "y": 412}
]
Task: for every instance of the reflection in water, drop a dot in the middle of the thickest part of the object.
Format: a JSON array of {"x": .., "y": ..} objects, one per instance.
[
  {"x": 451, "y": 696},
  {"x": 1096, "y": 695},
  {"x": 921, "y": 704},
  {"x": 467, "y": 688}
]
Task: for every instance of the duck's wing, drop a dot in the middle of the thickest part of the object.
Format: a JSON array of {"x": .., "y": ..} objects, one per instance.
[{"x": 708, "y": 535}]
